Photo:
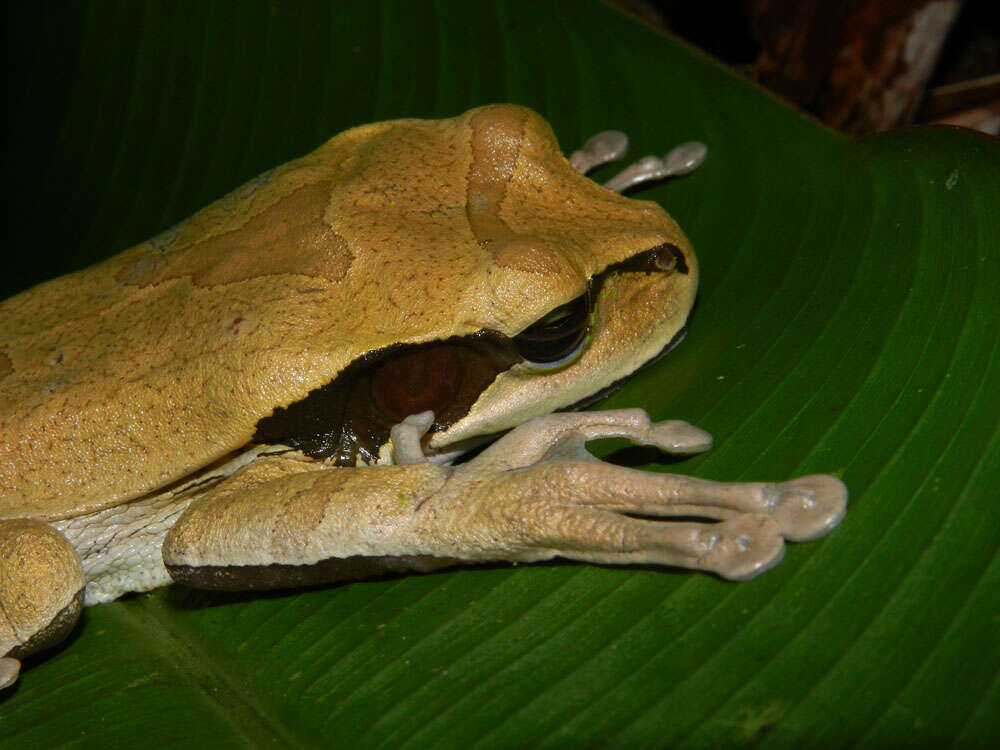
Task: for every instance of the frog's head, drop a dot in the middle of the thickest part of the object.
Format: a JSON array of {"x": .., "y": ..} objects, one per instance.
[
  {"x": 492, "y": 281},
  {"x": 589, "y": 285}
]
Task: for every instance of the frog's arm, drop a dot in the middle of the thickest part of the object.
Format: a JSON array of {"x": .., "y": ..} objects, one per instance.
[{"x": 533, "y": 495}]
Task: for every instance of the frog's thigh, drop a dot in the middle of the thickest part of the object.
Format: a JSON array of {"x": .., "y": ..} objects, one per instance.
[{"x": 41, "y": 591}]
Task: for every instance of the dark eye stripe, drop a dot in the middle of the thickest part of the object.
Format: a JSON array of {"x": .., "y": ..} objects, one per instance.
[{"x": 666, "y": 258}]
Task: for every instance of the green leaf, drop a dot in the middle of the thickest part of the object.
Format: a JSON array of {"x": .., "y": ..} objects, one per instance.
[{"x": 847, "y": 323}]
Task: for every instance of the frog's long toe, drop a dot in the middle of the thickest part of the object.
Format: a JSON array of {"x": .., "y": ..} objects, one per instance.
[
  {"x": 809, "y": 507},
  {"x": 737, "y": 549},
  {"x": 743, "y": 547},
  {"x": 681, "y": 160}
]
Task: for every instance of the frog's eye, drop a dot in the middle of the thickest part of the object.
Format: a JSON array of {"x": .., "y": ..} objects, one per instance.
[
  {"x": 557, "y": 339},
  {"x": 665, "y": 258}
]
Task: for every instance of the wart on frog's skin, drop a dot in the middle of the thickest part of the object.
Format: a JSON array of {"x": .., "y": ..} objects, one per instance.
[{"x": 271, "y": 393}]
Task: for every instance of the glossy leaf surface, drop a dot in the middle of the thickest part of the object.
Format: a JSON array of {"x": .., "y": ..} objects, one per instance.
[{"x": 847, "y": 323}]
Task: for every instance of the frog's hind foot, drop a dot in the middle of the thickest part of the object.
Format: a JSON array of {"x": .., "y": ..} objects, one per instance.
[
  {"x": 681, "y": 160},
  {"x": 737, "y": 549},
  {"x": 572, "y": 505},
  {"x": 533, "y": 495}
]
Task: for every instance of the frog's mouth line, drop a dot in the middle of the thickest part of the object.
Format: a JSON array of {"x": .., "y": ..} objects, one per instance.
[
  {"x": 457, "y": 450},
  {"x": 347, "y": 421},
  {"x": 350, "y": 418}
]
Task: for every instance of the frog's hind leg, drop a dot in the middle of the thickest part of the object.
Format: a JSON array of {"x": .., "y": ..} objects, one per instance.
[
  {"x": 41, "y": 591},
  {"x": 594, "y": 506}
]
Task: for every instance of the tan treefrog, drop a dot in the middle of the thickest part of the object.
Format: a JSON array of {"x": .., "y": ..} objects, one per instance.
[{"x": 271, "y": 392}]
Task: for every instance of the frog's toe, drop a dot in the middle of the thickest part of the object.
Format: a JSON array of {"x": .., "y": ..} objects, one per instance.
[
  {"x": 9, "y": 669},
  {"x": 679, "y": 438},
  {"x": 680, "y": 161},
  {"x": 742, "y": 547},
  {"x": 601, "y": 148},
  {"x": 809, "y": 507},
  {"x": 405, "y": 445},
  {"x": 737, "y": 549}
]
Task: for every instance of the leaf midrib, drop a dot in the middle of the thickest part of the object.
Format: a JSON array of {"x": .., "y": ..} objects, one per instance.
[{"x": 218, "y": 683}]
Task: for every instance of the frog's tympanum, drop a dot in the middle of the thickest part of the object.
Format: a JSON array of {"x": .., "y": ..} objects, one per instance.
[{"x": 271, "y": 393}]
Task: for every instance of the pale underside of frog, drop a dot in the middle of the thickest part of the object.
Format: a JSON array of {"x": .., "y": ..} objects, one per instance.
[{"x": 271, "y": 393}]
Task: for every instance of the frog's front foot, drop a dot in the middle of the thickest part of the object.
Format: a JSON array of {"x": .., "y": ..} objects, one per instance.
[{"x": 405, "y": 438}]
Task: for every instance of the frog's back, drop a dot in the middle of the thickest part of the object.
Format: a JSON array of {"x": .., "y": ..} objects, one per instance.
[
  {"x": 73, "y": 413},
  {"x": 134, "y": 373},
  {"x": 113, "y": 386},
  {"x": 130, "y": 375}
]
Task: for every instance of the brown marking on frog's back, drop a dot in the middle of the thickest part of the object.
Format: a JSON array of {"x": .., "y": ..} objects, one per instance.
[
  {"x": 6, "y": 366},
  {"x": 289, "y": 236},
  {"x": 496, "y": 143},
  {"x": 497, "y": 138}
]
